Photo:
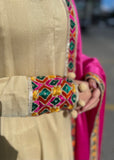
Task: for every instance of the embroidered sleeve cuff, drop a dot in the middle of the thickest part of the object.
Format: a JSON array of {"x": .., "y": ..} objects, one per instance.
[
  {"x": 51, "y": 94},
  {"x": 97, "y": 79}
]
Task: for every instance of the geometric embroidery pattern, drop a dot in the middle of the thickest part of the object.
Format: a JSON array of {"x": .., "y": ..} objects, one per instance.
[
  {"x": 52, "y": 94},
  {"x": 71, "y": 66},
  {"x": 95, "y": 134},
  {"x": 97, "y": 79},
  {"x": 73, "y": 132},
  {"x": 94, "y": 140},
  {"x": 72, "y": 37}
]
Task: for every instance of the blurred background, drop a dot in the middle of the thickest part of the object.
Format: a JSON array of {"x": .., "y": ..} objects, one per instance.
[{"x": 97, "y": 25}]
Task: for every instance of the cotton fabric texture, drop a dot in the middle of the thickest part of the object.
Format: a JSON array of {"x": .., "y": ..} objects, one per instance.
[{"x": 33, "y": 39}]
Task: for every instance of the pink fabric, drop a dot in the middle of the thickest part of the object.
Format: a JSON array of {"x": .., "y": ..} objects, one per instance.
[{"x": 85, "y": 121}]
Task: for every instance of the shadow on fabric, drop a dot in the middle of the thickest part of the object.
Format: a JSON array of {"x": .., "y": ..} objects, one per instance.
[
  {"x": 0, "y": 113},
  {"x": 7, "y": 152}
]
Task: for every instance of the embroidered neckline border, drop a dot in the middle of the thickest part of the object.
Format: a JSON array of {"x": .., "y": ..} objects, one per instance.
[
  {"x": 71, "y": 49},
  {"x": 71, "y": 52},
  {"x": 94, "y": 139}
]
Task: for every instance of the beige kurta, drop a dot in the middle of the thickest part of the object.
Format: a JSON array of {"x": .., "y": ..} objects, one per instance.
[{"x": 33, "y": 39}]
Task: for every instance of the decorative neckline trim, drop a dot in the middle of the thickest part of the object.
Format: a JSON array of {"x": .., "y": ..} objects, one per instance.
[{"x": 72, "y": 34}]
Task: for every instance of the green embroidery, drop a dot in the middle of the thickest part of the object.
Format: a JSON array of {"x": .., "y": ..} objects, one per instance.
[
  {"x": 69, "y": 80},
  {"x": 72, "y": 45},
  {"x": 65, "y": 106},
  {"x": 34, "y": 106},
  {"x": 70, "y": 65},
  {"x": 45, "y": 93},
  {"x": 68, "y": 3},
  {"x": 34, "y": 85},
  {"x": 40, "y": 77},
  {"x": 54, "y": 82},
  {"x": 56, "y": 101},
  {"x": 102, "y": 86},
  {"x": 44, "y": 111},
  {"x": 72, "y": 24},
  {"x": 74, "y": 98},
  {"x": 66, "y": 88}
]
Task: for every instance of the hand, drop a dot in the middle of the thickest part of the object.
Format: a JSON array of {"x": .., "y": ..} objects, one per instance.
[
  {"x": 85, "y": 95},
  {"x": 94, "y": 100},
  {"x": 91, "y": 96}
]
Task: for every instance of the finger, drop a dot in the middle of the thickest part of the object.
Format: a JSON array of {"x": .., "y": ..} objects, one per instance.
[
  {"x": 92, "y": 84},
  {"x": 93, "y": 99},
  {"x": 79, "y": 108},
  {"x": 93, "y": 105},
  {"x": 96, "y": 93}
]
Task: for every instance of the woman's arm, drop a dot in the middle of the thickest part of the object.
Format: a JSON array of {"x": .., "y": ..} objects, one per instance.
[{"x": 92, "y": 70}]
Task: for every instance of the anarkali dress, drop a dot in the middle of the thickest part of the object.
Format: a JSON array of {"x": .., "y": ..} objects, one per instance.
[{"x": 41, "y": 38}]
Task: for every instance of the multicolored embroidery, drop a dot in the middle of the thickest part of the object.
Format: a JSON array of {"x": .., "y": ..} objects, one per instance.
[
  {"x": 71, "y": 52},
  {"x": 94, "y": 141},
  {"x": 71, "y": 59},
  {"x": 52, "y": 94},
  {"x": 73, "y": 132},
  {"x": 97, "y": 79},
  {"x": 72, "y": 38},
  {"x": 95, "y": 134}
]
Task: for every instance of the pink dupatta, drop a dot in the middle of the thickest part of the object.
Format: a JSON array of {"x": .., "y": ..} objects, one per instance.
[{"x": 89, "y": 125}]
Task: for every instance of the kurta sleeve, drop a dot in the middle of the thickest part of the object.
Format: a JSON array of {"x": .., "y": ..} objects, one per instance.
[
  {"x": 14, "y": 96},
  {"x": 33, "y": 96}
]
